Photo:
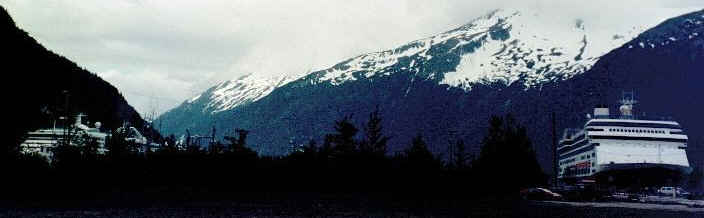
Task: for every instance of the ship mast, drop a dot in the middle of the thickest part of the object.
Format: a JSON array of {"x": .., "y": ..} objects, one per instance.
[{"x": 627, "y": 102}]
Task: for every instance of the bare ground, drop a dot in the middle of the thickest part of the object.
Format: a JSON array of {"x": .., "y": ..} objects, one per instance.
[{"x": 369, "y": 208}]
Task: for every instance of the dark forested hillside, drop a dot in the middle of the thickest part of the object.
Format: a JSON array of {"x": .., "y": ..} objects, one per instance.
[{"x": 35, "y": 80}]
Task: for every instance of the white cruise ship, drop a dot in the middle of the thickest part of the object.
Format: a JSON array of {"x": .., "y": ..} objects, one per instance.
[
  {"x": 43, "y": 141},
  {"x": 623, "y": 147}
]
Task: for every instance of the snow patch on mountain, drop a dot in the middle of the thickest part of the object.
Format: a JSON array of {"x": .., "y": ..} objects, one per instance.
[
  {"x": 243, "y": 90},
  {"x": 537, "y": 49},
  {"x": 371, "y": 63},
  {"x": 662, "y": 39},
  {"x": 194, "y": 98},
  {"x": 505, "y": 46}
]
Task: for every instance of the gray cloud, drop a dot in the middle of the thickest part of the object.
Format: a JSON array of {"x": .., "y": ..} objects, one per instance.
[{"x": 159, "y": 53}]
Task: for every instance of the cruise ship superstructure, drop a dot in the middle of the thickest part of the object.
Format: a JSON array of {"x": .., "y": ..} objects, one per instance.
[
  {"x": 44, "y": 141},
  {"x": 608, "y": 146}
]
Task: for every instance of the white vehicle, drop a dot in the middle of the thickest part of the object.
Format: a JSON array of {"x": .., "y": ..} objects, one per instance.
[{"x": 666, "y": 190}]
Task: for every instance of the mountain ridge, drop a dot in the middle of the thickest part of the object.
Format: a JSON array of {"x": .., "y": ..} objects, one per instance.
[
  {"x": 412, "y": 102},
  {"x": 492, "y": 26}
]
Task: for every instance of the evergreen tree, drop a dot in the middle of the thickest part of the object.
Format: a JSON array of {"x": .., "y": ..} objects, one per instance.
[
  {"x": 193, "y": 148},
  {"x": 374, "y": 141},
  {"x": 89, "y": 148},
  {"x": 169, "y": 145},
  {"x": 419, "y": 156},
  {"x": 66, "y": 156},
  {"x": 311, "y": 148},
  {"x": 242, "y": 137},
  {"x": 118, "y": 146},
  {"x": 460, "y": 157},
  {"x": 10, "y": 150},
  {"x": 343, "y": 140},
  {"x": 507, "y": 158},
  {"x": 237, "y": 147},
  {"x": 66, "y": 153},
  {"x": 327, "y": 149},
  {"x": 216, "y": 148}
]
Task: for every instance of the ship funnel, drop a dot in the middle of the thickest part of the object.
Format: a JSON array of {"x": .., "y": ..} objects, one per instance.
[
  {"x": 601, "y": 112},
  {"x": 78, "y": 119}
]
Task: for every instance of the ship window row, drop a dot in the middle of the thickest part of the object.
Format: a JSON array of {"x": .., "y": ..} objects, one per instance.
[
  {"x": 577, "y": 172},
  {"x": 582, "y": 157},
  {"x": 630, "y": 124},
  {"x": 568, "y": 161},
  {"x": 638, "y": 130}
]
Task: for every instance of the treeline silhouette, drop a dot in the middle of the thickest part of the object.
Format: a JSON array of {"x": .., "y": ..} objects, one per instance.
[{"x": 342, "y": 163}]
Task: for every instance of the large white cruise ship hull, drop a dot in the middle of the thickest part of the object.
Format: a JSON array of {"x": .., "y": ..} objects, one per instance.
[{"x": 624, "y": 150}]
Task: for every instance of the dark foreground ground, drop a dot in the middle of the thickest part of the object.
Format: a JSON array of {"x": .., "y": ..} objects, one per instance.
[{"x": 354, "y": 207}]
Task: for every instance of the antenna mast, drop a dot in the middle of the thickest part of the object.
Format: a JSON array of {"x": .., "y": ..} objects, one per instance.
[{"x": 627, "y": 102}]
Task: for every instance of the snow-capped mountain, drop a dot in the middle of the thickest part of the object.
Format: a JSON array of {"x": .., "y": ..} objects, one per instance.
[
  {"x": 232, "y": 93},
  {"x": 502, "y": 46},
  {"x": 447, "y": 86}
]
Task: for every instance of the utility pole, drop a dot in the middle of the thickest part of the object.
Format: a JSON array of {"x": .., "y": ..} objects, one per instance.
[
  {"x": 554, "y": 150},
  {"x": 67, "y": 116},
  {"x": 212, "y": 139}
]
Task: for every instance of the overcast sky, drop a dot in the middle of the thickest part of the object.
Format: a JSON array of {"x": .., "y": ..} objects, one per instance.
[{"x": 159, "y": 53}]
